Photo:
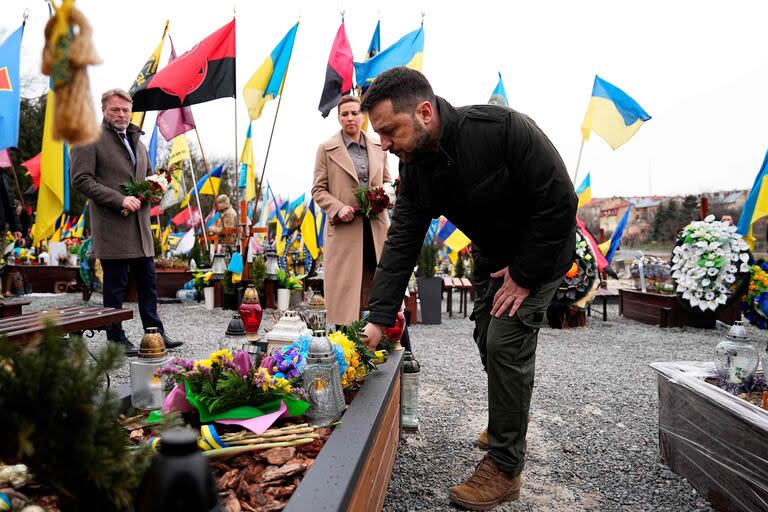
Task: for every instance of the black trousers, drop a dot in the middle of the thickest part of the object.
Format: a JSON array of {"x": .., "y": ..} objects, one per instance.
[{"x": 115, "y": 284}]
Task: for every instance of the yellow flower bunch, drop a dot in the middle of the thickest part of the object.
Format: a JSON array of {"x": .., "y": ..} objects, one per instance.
[
  {"x": 267, "y": 382},
  {"x": 220, "y": 356},
  {"x": 355, "y": 370}
]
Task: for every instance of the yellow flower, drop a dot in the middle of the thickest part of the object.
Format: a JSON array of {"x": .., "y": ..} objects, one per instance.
[
  {"x": 203, "y": 362},
  {"x": 221, "y": 356}
]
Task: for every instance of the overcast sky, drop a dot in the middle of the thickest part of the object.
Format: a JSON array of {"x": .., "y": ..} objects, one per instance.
[{"x": 699, "y": 68}]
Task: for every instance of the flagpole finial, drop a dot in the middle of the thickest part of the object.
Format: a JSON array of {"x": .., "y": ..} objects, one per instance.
[
  {"x": 25, "y": 15},
  {"x": 423, "y": 14},
  {"x": 342, "y": 15}
]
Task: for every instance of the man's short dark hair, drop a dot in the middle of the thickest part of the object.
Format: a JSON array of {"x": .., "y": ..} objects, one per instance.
[{"x": 404, "y": 87}]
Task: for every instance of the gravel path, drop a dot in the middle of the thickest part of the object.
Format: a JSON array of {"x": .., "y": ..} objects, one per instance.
[{"x": 593, "y": 438}]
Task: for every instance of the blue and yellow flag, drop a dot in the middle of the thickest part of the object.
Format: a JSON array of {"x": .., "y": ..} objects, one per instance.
[
  {"x": 53, "y": 194},
  {"x": 584, "y": 192},
  {"x": 247, "y": 179},
  {"x": 499, "y": 95},
  {"x": 612, "y": 114},
  {"x": 267, "y": 82},
  {"x": 236, "y": 267},
  {"x": 10, "y": 89},
  {"x": 452, "y": 237},
  {"x": 204, "y": 187},
  {"x": 616, "y": 237},
  {"x": 756, "y": 206},
  {"x": 320, "y": 218},
  {"x": 309, "y": 230},
  {"x": 152, "y": 149},
  {"x": 408, "y": 52},
  {"x": 297, "y": 206},
  {"x": 282, "y": 230},
  {"x": 375, "y": 47}
]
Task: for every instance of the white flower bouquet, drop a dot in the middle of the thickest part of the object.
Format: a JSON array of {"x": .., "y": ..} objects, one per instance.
[{"x": 709, "y": 264}]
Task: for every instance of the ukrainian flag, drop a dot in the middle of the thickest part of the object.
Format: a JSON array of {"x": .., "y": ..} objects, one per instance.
[
  {"x": 375, "y": 47},
  {"x": 282, "y": 230},
  {"x": 615, "y": 241},
  {"x": 267, "y": 82},
  {"x": 452, "y": 237},
  {"x": 756, "y": 206},
  {"x": 309, "y": 230},
  {"x": 612, "y": 114},
  {"x": 499, "y": 95},
  {"x": 297, "y": 206},
  {"x": 584, "y": 192},
  {"x": 408, "y": 52},
  {"x": 204, "y": 187},
  {"x": 247, "y": 172}
]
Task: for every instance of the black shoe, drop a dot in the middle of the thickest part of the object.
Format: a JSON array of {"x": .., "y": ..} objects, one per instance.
[
  {"x": 169, "y": 342},
  {"x": 130, "y": 348}
]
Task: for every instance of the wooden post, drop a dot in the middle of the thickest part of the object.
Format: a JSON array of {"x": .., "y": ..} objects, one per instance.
[{"x": 704, "y": 207}]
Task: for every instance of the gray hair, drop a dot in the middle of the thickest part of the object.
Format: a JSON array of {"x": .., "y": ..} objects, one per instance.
[{"x": 120, "y": 93}]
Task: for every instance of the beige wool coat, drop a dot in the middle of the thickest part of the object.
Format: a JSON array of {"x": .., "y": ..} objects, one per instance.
[
  {"x": 98, "y": 172},
  {"x": 334, "y": 186}
]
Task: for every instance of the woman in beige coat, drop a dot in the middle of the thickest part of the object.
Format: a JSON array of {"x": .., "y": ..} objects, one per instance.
[{"x": 347, "y": 161}]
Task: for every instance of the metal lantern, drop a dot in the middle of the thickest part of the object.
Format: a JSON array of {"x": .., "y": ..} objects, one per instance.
[
  {"x": 409, "y": 407},
  {"x": 270, "y": 256},
  {"x": 219, "y": 266},
  {"x": 735, "y": 357},
  {"x": 147, "y": 391},
  {"x": 316, "y": 316},
  {"x": 250, "y": 310},
  {"x": 288, "y": 329},
  {"x": 234, "y": 336},
  {"x": 322, "y": 382}
]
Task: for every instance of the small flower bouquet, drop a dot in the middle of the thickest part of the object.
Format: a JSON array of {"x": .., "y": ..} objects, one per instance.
[
  {"x": 754, "y": 303},
  {"x": 202, "y": 280},
  {"x": 289, "y": 282},
  {"x": 153, "y": 187},
  {"x": 226, "y": 385},
  {"x": 371, "y": 201},
  {"x": 710, "y": 263}
]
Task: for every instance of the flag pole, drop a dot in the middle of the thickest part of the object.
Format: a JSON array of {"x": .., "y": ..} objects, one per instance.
[
  {"x": 578, "y": 163},
  {"x": 197, "y": 199},
  {"x": 16, "y": 179},
  {"x": 207, "y": 169}
]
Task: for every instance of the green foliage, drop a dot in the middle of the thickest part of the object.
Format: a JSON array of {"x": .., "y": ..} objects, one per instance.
[
  {"x": 289, "y": 282},
  {"x": 668, "y": 221},
  {"x": 427, "y": 261},
  {"x": 196, "y": 253},
  {"x": 460, "y": 269},
  {"x": 227, "y": 286},
  {"x": 60, "y": 421},
  {"x": 158, "y": 247},
  {"x": 258, "y": 272},
  {"x": 354, "y": 332}
]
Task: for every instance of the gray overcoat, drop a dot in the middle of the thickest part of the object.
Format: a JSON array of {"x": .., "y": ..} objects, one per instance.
[{"x": 98, "y": 172}]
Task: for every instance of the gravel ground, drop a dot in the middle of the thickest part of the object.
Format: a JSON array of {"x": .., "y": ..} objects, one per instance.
[{"x": 593, "y": 436}]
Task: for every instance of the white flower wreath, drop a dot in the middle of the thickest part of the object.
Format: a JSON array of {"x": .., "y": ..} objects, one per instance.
[{"x": 707, "y": 261}]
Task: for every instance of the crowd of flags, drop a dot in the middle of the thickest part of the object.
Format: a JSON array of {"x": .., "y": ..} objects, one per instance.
[{"x": 611, "y": 114}]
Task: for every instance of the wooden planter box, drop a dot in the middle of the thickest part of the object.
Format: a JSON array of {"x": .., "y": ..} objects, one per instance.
[
  {"x": 44, "y": 278},
  {"x": 353, "y": 470},
  {"x": 714, "y": 439},
  {"x": 666, "y": 310}
]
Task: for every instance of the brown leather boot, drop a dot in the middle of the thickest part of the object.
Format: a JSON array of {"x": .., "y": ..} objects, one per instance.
[
  {"x": 486, "y": 488},
  {"x": 482, "y": 441}
]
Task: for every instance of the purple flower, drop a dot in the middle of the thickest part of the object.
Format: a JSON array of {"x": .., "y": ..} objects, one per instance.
[
  {"x": 268, "y": 362},
  {"x": 187, "y": 364},
  {"x": 242, "y": 363}
]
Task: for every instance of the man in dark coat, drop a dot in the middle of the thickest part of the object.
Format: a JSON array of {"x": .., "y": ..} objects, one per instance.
[
  {"x": 121, "y": 242},
  {"x": 498, "y": 178}
]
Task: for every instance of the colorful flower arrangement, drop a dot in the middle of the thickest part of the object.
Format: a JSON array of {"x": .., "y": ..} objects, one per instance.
[
  {"x": 153, "y": 187},
  {"x": 709, "y": 264},
  {"x": 225, "y": 381},
  {"x": 202, "y": 280},
  {"x": 371, "y": 201},
  {"x": 581, "y": 277},
  {"x": 289, "y": 282},
  {"x": 754, "y": 303}
]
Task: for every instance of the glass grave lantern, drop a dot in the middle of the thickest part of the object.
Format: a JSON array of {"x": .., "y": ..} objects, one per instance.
[
  {"x": 409, "y": 408},
  {"x": 234, "y": 336},
  {"x": 317, "y": 312},
  {"x": 147, "y": 391},
  {"x": 271, "y": 261},
  {"x": 219, "y": 265},
  {"x": 287, "y": 330},
  {"x": 322, "y": 382},
  {"x": 250, "y": 310},
  {"x": 735, "y": 356}
]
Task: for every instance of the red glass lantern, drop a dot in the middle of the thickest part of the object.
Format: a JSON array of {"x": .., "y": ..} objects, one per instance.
[
  {"x": 396, "y": 332},
  {"x": 250, "y": 310}
]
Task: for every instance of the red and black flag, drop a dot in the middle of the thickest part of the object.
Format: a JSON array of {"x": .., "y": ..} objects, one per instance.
[
  {"x": 338, "y": 75},
  {"x": 204, "y": 73}
]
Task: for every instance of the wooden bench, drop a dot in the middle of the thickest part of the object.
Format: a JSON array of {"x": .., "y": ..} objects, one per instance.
[
  {"x": 466, "y": 291},
  {"x": 604, "y": 295},
  {"x": 72, "y": 320},
  {"x": 12, "y": 307},
  {"x": 448, "y": 289}
]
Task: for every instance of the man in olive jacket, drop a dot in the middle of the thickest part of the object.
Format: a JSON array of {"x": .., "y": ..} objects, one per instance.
[
  {"x": 499, "y": 179},
  {"x": 121, "y": 242}
]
